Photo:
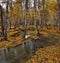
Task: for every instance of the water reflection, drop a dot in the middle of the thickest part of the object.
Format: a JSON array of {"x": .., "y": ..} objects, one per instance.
[{"x": 19, "y": 54}]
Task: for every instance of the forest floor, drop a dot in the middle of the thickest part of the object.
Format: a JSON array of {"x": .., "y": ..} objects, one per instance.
[
  {"x": 51, "y": 53},
  {"x": 15, "y": 36}
]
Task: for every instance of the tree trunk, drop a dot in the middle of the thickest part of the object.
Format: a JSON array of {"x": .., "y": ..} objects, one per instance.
[
  {"x": 35, "y": 12},
  {"x": 2, "y": 21},
  {"x": 43, "y": 3},
  {"x": 39, "y": 12},
  {"x": 59, "y": 13},
  {"x": 6, "y": 22},
  {"x": 11, "y": 14},
  {"x": 35, "y": 9},
  {"x": 26, "y": 17}
]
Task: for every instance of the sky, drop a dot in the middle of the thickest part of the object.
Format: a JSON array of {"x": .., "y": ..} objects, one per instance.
[{"x": 4, "y": 5}]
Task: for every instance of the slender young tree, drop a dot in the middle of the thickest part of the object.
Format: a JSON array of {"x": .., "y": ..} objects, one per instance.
[
  {"x": 35, "y": 10},
  {"x": 26, "y": 16},
  {"x": 6, "y": 21},
  {"x": 43, "y": 7},
  {"x": 39, "y": 12},
  {"x": 10, "y": 13},
  {"x": 59, "y": 13},
  {"x": 1, "y": 14}
]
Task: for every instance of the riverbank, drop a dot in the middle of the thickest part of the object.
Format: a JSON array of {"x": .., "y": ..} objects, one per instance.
[
  {"x": 49, "y": 54},
  {"x": 15, "y": 37}
]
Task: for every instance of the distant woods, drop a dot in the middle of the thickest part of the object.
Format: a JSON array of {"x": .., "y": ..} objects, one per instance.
[{"x": 28, "y": 12}]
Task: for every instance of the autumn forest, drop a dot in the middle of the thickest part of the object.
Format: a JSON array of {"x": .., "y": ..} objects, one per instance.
[{"x": 29, "y": 31}]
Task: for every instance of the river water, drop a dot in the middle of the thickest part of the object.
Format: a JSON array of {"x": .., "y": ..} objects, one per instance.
[
  {"x": 18, "y": 54},
  {"x": 21, "y": 53}
]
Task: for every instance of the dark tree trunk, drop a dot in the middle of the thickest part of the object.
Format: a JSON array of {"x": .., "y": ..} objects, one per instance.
[
  {"x": 2, "y": 21},
  {"x": 6, "y": 22},
  {"x": 59, "y": 13},
  {"x": 11, "y": 14}
]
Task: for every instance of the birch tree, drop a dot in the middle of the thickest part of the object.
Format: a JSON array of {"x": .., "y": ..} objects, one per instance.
[
  {"x": 35, "y": 10},
  {"x": 26, "y": 16},
  {"x": 6, "y": 21}
]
